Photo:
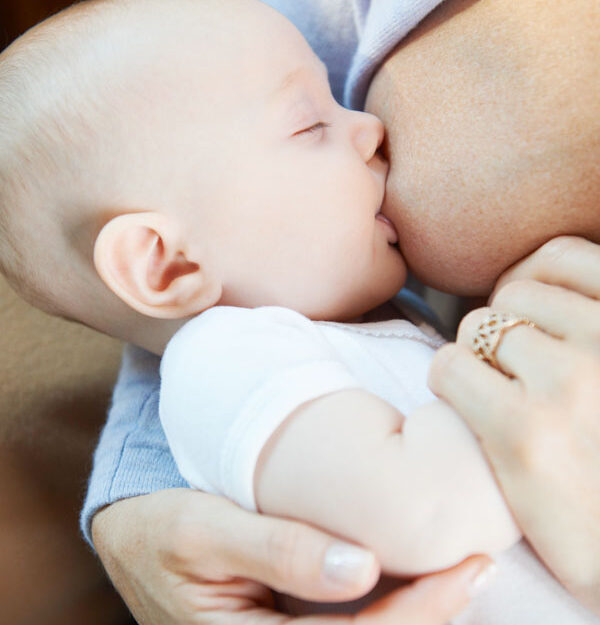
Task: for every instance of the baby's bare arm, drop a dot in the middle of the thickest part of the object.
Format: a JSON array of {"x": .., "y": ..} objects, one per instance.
[{"x": 419, "y": 493}]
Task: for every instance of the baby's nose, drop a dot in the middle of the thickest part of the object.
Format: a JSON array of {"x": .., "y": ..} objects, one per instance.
[{"x": 368, "y": 134}]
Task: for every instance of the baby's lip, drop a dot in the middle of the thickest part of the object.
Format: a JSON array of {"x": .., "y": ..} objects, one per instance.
[
  {"x": 380, "y": 215},
  {"x": 393, "y": 233}
]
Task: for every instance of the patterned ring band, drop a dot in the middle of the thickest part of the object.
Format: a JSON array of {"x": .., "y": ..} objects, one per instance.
[{"x": 491, "y": 332}]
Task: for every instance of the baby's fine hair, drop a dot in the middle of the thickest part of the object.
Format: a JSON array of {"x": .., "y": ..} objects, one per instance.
[
  {"x": 48, "y": 96},
  {"x": 62, "y": 136},
  {"x": 73, "y": 146}
]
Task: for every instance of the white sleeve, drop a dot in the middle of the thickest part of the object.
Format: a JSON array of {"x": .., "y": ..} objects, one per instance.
[{"x": 229, "y": 377}]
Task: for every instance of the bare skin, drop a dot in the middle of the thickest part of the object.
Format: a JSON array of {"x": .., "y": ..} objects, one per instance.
[
  {"x": 540, "y": 425},
  {"x": 492, "y": 110}
]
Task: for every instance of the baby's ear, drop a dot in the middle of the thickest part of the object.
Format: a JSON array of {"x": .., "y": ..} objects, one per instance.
[{"x": 142, "y": 258}]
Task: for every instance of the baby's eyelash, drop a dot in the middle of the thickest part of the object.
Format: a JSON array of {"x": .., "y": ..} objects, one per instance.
[{"x": 314, "y": 128}]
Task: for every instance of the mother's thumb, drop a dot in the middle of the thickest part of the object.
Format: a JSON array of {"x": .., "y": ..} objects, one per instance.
[{"x": 294, "y": 558}]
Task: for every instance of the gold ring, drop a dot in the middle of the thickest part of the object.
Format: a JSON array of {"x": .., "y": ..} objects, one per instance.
[{"x": 490, "y": 333}]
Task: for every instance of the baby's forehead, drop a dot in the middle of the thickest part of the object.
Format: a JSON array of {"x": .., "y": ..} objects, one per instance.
[
  {"x": 117, "y": 69},
  {"x": 229, "y": 45}
]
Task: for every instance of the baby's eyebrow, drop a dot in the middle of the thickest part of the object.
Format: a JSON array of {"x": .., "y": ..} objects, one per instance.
[{"x": 297, "y": 76}]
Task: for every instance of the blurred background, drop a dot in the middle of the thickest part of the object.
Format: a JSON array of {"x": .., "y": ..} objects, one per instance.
[
  {"x": 55, "y": 382},
  {"x": 16, "y": 16}
]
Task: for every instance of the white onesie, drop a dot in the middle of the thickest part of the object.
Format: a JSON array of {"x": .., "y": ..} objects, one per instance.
[{"x": 230, "y": 376}]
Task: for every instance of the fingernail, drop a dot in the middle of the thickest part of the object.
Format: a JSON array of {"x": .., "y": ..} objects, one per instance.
[
  {"x": 345, "y": 564},
  {"x": 482, "y": 579}
]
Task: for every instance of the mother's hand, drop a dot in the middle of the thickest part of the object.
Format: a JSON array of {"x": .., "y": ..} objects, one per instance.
[
  {"x": 181, "y": 557},
  {"x": 538, "y": 419}
]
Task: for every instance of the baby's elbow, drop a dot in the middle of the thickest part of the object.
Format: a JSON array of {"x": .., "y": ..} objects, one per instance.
[
  {"x": 417, "y": 546},
  {"x": 420, "y": 540}
]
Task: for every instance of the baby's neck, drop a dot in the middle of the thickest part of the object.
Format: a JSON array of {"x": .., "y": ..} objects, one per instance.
[{"x": 151, "y": 334}]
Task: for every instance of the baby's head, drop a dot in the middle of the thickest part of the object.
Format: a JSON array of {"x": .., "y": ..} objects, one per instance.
[{"x": 192, "y": 153}]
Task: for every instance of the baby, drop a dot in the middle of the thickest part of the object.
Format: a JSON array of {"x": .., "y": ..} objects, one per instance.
[{"x": 191, "y": 154}]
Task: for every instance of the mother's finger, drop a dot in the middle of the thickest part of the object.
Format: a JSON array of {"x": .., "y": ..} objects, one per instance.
[
  {"x": 571, "y": 262},
  {"x": 480, "y": 394},
  {"x": 431, "y": 600},
  {"x": 291, "y": 557},
  {"x": 557, "y": 310},
  {"x": 537, "y": 360}
]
